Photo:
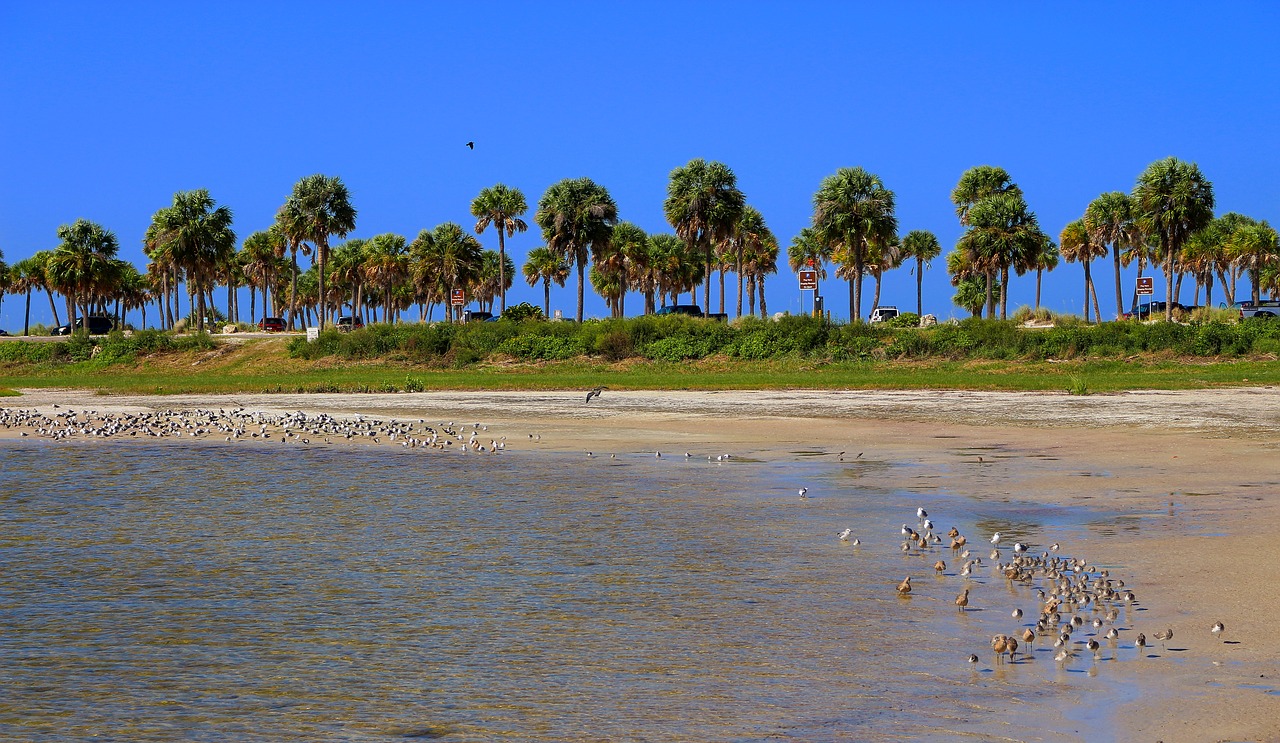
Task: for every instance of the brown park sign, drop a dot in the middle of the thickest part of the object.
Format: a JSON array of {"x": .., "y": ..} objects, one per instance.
[
  {"x": 1146, "y": 286},
  {"x": 808, "y": 281},
  {"x": 459, "y": 297}
]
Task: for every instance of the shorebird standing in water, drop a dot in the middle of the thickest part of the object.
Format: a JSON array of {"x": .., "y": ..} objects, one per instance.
[
  {"x": 962, "y": 600},
  {"x": 905, "y": 586}
]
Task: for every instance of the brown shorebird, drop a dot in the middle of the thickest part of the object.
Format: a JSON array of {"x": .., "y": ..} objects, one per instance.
[
  {"x": 1011, "y": 643},
  {"x": 962, "y": 600},
  {"x": 1164, "y": 635},
  {"x": 1140, "y": 643},
  {"x": 905, "y": 586},
  {"x": 1218, "y": 629},
  {"x": 1029, "y": 637},
  {"x": 939, "y": 566},
  {"x": 999, "y": 644}
]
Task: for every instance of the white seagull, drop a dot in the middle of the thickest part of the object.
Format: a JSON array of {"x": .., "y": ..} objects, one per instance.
[{"x": 995, "y": 538}]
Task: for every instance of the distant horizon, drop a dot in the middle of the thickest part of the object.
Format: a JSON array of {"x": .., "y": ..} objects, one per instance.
[{"x": 239, "y": 104}]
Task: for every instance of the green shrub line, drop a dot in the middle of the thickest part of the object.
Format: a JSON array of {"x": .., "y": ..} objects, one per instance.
[{"x": 681, "y": 338}]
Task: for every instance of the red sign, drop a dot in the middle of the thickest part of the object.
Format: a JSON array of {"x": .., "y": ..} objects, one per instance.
[
  {"x": 808, "y": 281},
  {"x": 459, "y": 297},
  {"x": 1146, "y": 286}
]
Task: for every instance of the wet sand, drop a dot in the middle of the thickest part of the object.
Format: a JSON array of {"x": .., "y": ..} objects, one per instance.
[{"x": 1193, "y": 476}]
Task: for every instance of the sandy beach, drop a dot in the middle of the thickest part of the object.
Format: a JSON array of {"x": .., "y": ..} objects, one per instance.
[{"x": 1193, "y": 475}]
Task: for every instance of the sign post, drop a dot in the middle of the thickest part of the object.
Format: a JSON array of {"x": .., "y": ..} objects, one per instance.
[
  {"x": 1146, "y": 287},
  {"x": 808, "y": 283}
]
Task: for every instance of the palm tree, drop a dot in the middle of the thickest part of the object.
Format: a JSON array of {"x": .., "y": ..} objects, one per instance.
[
  {"x": 445, "y": 259},
  {"x": 616, "y": 263},
  {"x": 492, "y": 271},
  {"x": 261, "y": 254},
  {"x": 1041, "y": 260},
  {"x": 1171, "y": 201},
  {"x": 1109, "y": 220},
  {"x": 1255, "y": 248},
  {"x": 80, "y": 262},
  {"x": 924, "y": 247},
  {"x": 502, "y": 207},
  {"x": 977, "y": 184},
  {"x": 759, "y": 259},
  {"x": 853, "y": 211},
  {"x": 1076, "y": 246},
  {"x": 810, "y": 252},
  {"x": 970, "y": 282},
  {"x": 384, "y": 263},
  {"x": 703, "y": 205},
  {"x": 319, "y": 207},
  {"x": 546, "y": 265},
  {"x": 1002, "y": 233},
  {"x": 347, "y": 271},
  {"x": 576, "y": 215},
  {"x": 750, "y": 237},
  {"x": 199, "y": 239},
  {"x": 885, "y": 255}
]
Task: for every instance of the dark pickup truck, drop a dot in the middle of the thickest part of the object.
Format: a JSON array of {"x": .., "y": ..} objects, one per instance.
[{"x": 692, "y": 310}]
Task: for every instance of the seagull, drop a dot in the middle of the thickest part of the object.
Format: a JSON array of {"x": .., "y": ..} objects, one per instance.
[
  {"x": 803, "y": 491},
  {"x": 995, "y": 538},
  {"x": 922, "y": 514},
  {"x": 1019, "y": 548},
  {"x": 471, "y": 145},
  {"x": 844, "y": 535},
  {"x": 595, "y": 392}
]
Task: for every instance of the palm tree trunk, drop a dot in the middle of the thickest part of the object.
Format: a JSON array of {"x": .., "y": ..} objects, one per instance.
[
  {"x": 991, "y": 298},
  {"x": 1226, "y": 288},
  {"x": 1168, "y": 283},
  {"x": 855, "y": 293},
  {"x": 322, "y": 311},
  {"x": 1097, "y": 313},
  {"x": 1086, "y": 291},
  {"x": 582, "y": 267},
  {"x": 52, "y": 306},
  {"x": 760, "y": 286},
  {"x": 722, "y": 267},
  {"x": 546, "y": 296},
  {"x": 706, "y": 301},
  {"x": 875, "y": 302},
  {"x": 293, "y": 297},
  {"x": 502, "y": 267},
  {"x": 751, "y": 296},
  {"x": 1004, "y": 292},
  {"x": 1115, "y": 254},
  {"x": 920, "y": 287},
  {"x": 737, "y": 271},
  {"x": 1208, "y": 289},
  {"x": 26, "y": 321},
  {"x": 1039, "y": 274}
]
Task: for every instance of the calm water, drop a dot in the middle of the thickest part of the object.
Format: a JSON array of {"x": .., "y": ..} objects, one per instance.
[{"x": 226, "y": 592}]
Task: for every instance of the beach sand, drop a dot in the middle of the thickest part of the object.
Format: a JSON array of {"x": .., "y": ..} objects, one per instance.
[{"x": 1196, "y": 475}]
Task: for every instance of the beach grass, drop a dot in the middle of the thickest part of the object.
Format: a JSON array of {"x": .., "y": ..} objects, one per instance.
[
  {"x": 4, "y": 392},
  {"x": 265, "y": 367}
]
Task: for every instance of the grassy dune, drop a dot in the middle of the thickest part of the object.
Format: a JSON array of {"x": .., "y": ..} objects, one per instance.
[{"x": 256, "y": 366}]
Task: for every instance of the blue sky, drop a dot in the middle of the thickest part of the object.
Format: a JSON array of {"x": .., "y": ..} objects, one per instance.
[{"x": 107, "y": 109}]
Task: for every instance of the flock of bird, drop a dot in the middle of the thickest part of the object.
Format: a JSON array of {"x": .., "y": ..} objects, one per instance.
[
  {"x": 1080, "y": 608},
  {"x": 243, "y": 425}
]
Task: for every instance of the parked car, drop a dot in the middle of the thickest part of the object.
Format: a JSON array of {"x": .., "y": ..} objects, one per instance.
[
  {"x": 271, "y": 324},
  {"x": 98, "y": 325},
  {"x": 882, "y": 313},
  {"x": 346, "y": 324},
  {"x": 477, "y": 316},
  {"x": 692, "y": 310},
  {"x": 1265, "y": 309},
  {"x": 3, "y": 331},
  {"x": 1153, "y": 310}
]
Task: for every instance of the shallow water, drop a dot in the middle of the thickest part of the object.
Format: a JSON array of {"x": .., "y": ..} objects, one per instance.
[{"x": 226, "y": 591}]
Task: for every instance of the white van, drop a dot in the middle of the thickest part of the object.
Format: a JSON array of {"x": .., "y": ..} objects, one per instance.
[{"x": 882, "y": 313}]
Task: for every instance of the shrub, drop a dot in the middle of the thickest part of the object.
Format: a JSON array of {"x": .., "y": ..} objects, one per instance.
[
  {"x": 523, "y": 311},
  {"x": 540, "y": 348},
  {"x": 904, "y": 320}
]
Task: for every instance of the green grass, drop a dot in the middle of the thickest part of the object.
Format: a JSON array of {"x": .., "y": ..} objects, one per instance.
[
  {"x": 8, "y": 393},
  {"x": 250, "y": 371}
]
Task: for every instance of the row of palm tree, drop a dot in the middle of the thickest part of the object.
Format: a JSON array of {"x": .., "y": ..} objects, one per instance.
[{"x": 1167, "y": 220}]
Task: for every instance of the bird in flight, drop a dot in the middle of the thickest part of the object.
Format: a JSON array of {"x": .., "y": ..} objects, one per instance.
[
  {"x": 471, "y": 145},
  {"x": 595, "y": 393}
]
